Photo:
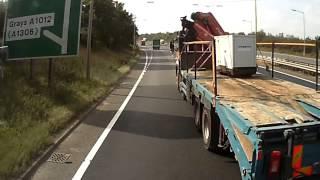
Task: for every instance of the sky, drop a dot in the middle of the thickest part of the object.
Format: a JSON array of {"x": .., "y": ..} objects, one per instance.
[{"x": 274, "y": 16}]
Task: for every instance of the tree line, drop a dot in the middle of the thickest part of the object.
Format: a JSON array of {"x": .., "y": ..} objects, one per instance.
[
  {"x": 168, "y": 36},
  {"x": 113, "y": 26}
]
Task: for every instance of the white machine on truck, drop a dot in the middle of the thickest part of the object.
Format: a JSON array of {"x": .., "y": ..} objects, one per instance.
[{"x": 236, "y": 54}]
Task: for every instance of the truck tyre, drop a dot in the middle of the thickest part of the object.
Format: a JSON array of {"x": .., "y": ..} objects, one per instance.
[
  {"x": 210, "y": 130},
  {"x": 197, "y": 113}
]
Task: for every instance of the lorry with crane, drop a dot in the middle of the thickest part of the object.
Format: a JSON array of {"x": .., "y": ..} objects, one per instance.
[{"x": 271, "y": 126}]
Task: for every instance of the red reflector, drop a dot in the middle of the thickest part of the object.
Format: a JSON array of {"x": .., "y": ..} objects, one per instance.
[
  {"x": 260, "y": 155},
  {"x": 297, "y": 157},
  {"x": 275, "y": 162}
]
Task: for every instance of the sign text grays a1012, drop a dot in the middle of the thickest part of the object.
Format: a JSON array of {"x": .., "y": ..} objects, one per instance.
[{"x": 42, "y": 28}]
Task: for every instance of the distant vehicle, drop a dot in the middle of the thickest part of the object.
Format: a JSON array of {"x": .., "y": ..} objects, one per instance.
[
  {"x": 162, "y": 41},
  {"x": 143, "y": 43},
  {"x": 156, "y": 44}
]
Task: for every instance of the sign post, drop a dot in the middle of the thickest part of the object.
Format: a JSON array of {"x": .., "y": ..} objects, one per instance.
[
  {"x": 41, "y": 29},
  {"x": 50, "y": 71},
  {"x": 89, "y": 39},
  {"x": 31, "y": 69}
]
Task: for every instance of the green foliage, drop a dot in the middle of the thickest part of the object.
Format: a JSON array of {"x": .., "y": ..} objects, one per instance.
[
  {"x": 30, "y": 113},
  {"x": 295, "y": 50},
  {"x": 113, "y": 26},
  {"x": 165, "y": 36}
]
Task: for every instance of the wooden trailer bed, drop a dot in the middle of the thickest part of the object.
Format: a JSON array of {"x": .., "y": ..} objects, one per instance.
[{"x": 261, "y": 100}]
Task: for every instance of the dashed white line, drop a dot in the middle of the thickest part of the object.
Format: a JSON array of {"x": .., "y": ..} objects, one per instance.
[{"x": 85, "y": 164}]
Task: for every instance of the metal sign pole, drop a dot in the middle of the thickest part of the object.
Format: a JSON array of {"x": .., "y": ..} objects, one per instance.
[
  {"x": 317, "y": 65},
  {"x": 31, "y": 69},
  {"x": 89, "y": 40},
  {"x": 50, "y": 73}
]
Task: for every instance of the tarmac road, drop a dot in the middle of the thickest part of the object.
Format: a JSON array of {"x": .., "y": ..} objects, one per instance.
[
  {"x": 155, "y": 138},
  {"x": 288, "y": 77}
]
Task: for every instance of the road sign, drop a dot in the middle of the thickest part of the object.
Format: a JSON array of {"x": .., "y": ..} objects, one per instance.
[{"x": 42, "y": 28}]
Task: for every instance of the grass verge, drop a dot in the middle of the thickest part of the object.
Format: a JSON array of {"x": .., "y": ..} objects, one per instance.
[{"x": 31, "y": 114}]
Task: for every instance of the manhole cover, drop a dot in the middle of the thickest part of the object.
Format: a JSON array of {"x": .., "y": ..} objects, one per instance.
[{"x": 59, "y": 158}]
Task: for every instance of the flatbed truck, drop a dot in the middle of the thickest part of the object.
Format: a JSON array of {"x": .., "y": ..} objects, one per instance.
[{"x": 271, "y": 126}]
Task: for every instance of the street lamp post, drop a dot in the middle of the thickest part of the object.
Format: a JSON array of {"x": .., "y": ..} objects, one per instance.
[
  {"x": 247, "y": 21},
  {"x": 304, "y": 29},
  {"x": 256, "y": 15}
]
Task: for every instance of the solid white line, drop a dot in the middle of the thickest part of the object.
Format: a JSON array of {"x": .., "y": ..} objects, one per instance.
[
  {"x": 290, "y": 75},
  {"x": 85, "y": 164}
]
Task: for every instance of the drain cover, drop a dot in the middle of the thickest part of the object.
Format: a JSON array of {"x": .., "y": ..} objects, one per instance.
[{"x": 59, "y": 158}]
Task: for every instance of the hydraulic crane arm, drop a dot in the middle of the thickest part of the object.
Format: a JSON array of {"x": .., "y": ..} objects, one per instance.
[{"x": 203, "y": 28}]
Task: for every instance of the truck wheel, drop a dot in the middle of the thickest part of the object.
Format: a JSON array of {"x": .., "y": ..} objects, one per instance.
[
  {"x": 197, "y": 113},
  {"x": 210, "y": 131}
]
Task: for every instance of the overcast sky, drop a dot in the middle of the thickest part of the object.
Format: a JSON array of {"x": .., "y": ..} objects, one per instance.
[{"x": 274, "y": 16}]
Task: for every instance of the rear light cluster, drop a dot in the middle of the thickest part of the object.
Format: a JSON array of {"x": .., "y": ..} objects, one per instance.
[{"x": 275, "y": 164}]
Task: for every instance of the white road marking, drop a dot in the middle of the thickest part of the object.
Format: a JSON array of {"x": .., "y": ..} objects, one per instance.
[
  {"x": 85, "y": 164},
  {"x": 290, "y": 75},
  {"x": 63, "y": 42}
]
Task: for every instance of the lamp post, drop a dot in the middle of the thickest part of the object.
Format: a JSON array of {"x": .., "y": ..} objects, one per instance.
[
  {"x": 256, "y": 15},
  {"x": 304, "y": 29},
  {"x": 247, "y": 21}
]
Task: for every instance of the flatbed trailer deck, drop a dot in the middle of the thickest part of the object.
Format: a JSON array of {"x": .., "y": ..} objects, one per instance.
[{"x": 260, "y": 114}]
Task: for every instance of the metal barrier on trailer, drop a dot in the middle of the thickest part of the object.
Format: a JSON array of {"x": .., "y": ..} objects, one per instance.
[
  {"x": 206, "y": 48},
  {"x": 315, "y": 45}
]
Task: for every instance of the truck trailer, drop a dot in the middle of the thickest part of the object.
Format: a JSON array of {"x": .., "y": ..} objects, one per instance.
[{"x": 271, "y": 126}]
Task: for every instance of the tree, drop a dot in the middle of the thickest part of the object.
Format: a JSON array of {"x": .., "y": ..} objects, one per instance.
[
  {"x": 113, "y": 26},
  {"x": 2, "y": 15},
  {"x": 261, "y": 35}
]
